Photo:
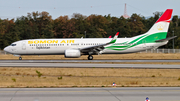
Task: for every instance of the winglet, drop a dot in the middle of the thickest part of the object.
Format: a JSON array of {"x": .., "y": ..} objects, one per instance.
[{"x": 115, "y": 37}]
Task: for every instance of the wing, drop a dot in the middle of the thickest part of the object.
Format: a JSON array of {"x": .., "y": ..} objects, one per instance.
[{"x": 97, "y": 49}]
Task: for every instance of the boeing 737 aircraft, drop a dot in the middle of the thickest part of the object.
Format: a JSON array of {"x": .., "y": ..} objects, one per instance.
[{"x": 76, "y": 47}]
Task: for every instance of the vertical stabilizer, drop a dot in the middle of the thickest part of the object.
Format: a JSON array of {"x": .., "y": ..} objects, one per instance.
[{"x": 162, "y": 24}]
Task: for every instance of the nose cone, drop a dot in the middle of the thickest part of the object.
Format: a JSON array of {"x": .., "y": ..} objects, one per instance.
[{"x": 6, "y": 49}]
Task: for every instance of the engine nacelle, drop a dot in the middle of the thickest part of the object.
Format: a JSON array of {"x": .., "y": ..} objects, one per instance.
[{"x": 72, "y": 53}]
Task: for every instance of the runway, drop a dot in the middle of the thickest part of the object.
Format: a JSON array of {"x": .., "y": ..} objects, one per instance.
[
  {"x": 88, "y": 65},
  {"x": 75, "y": 61},
  {"x": 90, "y": 94}
]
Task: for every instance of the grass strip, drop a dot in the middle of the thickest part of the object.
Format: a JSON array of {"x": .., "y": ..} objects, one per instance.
[{"x": 88, "y": 77}]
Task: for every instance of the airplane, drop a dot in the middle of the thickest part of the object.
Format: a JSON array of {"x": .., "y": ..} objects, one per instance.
[{"x": 76, "y": 47}]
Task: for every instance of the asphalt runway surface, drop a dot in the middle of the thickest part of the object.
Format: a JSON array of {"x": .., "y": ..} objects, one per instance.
[
  {"x": 88, "y": 65},
  {"x": 91, "y": 94},
  {"x": 75, "y": 61}
]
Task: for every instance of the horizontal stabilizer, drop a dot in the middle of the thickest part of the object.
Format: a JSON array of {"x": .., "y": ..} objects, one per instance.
[{"x": 167, "y": 39}]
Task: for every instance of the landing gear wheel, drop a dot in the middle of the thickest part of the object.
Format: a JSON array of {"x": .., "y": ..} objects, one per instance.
[
  {"x": 90, "y": 57},
  {"x": 20, "y": 58}
]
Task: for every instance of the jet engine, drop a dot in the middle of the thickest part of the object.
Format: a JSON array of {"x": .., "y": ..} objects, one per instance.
[{"x": 72, "y": 53}]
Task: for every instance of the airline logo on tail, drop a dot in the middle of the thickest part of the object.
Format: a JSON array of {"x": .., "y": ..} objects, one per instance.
[{"x": 160, "y": 27}]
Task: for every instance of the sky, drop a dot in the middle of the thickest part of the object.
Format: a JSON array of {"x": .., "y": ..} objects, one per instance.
[{"x": 17, "y": 8}]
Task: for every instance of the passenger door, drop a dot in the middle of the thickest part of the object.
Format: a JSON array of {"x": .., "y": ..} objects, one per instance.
[{"x": 24, "y": 45}]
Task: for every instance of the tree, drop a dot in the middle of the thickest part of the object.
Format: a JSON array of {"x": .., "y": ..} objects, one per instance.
[
  {"x": 96, "y": 26},
  {"x": 80, "y": 24},
  {"x": 10, "y": 34},
  {"x": 63, "y": 27},
  {"x": 135, "y": 25}
]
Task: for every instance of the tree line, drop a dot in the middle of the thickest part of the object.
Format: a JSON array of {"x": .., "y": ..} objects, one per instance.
[{"x": 41, "y": 25}]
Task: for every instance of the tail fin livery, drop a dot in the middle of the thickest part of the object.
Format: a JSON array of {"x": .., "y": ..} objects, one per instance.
[
  {"x": 158, "y": 31},
  {"x": 161, "y": 26}
]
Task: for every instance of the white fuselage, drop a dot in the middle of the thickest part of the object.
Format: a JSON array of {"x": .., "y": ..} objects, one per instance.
[{"x": 58, "y": 46}]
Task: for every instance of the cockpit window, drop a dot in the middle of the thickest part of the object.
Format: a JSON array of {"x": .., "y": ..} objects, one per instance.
[{"x": 13, "y": 44}]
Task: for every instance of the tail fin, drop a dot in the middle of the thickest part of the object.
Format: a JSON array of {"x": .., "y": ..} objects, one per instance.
[{"x": 160, "y": 28}]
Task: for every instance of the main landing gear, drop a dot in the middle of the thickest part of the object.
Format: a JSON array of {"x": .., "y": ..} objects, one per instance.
[
  {"x": 90, "y": 57},
  {"x": 20, "y": 58}
]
